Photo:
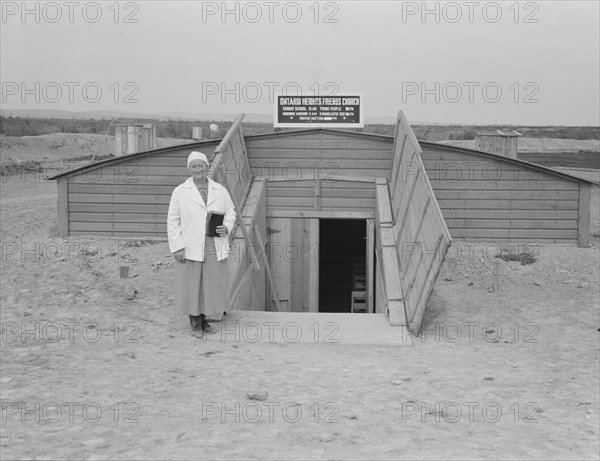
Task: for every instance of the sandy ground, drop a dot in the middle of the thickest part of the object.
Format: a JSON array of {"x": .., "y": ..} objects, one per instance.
[{"x": 95, "y": 367}]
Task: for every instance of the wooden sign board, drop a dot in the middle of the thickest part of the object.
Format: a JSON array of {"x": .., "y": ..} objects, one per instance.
[{"x": 318, "y": 112}]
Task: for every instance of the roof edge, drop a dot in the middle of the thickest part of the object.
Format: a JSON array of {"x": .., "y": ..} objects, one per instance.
[
  {"x": 360, "y": 134},
  {"x": 291, "y": 132},
  {"x": 111, "y": 160},
  {"x": 514, "y": 161}
]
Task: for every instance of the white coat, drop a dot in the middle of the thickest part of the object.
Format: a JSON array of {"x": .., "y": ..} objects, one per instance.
[{"x": 186, "y": 219}]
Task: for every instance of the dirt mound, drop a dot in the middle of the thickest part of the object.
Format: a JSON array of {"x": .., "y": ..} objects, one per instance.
[{"x": 61, "y": 146}]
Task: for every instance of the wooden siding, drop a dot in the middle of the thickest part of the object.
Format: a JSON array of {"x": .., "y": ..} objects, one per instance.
[
  {"x": 482, "y": 197},
  {"x": 305, "y": 159},
  {"x": 488, "y": 199},
  {"x": 318, "y": 154},
  {"x": 388, "y": 284},
  {"x": 334, "y": 196},
  {"x": 128, "y": 198},
  {"x": 250, "y": 287},
  {"x": 293, "y": 254}
]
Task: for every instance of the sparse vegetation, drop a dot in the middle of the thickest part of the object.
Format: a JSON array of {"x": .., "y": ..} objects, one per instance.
[
  {"x": 462, "y": 135},
  {"x": 140, "y": 243},
  {"x": 24, "y": 126},
  {"x": 508, "y": 254}
]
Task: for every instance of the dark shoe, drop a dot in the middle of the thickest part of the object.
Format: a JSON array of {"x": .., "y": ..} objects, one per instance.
[
  {"x": 206, "y": 327},
  {"x": 196, "y": 322}
]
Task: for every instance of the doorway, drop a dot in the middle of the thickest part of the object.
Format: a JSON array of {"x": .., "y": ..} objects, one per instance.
[{"x": 342, "y": 265}]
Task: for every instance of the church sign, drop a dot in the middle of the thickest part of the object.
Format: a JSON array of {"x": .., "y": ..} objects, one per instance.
[{"x": 318, "y": 111}]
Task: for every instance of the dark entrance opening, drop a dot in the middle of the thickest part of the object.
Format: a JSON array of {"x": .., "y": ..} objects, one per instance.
[{"x": 342, "y": 263}]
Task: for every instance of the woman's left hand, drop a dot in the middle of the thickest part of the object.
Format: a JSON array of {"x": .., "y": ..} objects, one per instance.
[{"x": 222, "y": 231}]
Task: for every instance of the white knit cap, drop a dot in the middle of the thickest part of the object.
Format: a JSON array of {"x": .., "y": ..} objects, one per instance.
[{"x": 197, "y": 156}]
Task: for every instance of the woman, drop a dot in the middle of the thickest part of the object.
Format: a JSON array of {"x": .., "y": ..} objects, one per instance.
[{"x": 201, "y": 274}]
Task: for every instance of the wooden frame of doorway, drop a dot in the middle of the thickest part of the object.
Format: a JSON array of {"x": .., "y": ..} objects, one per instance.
[{"x": 298, "y": 284}]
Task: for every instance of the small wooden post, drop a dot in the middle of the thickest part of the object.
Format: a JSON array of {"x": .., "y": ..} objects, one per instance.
[{"x": 498, "y": 282}]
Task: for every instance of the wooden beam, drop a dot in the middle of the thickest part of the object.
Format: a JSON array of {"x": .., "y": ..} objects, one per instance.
[
  {"x": 267, "y": 268},
  {"x": 232, "y": 130},
  {"x": 313, "y": 278},
  {"x": 63, "y": 206},
  {"x": 384, "y": 209},
  {"x": 370, "y": 264},
  {"x": 387, "y": 257},
  {"x": 347, "y": 178},
  {"x": 411, "y": 135},
  {"x": 397, "y": 161},
  {"x": 380, "y": 276},
  {"x": 393, "y": 287},
  {"x": 583, "y": 232},
  {"x": 255, "y": 195},
  {"x": 321, "y": 214}
]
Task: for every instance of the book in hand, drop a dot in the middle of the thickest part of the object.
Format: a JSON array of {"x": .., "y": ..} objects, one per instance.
[{"x": 214, "y": 220}]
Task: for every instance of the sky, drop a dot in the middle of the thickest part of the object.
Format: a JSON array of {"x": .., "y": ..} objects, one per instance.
[{"x": 474, "y": 62}]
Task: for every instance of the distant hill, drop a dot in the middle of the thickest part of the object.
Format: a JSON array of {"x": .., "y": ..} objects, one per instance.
[
  {"x": 203, "y": 116},
  {"x": 109, "y": 115},
  {"x": 180, "y": 125}
]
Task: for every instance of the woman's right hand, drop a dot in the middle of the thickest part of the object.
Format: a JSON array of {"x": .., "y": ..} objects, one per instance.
[{"x": 180, "y": 255}]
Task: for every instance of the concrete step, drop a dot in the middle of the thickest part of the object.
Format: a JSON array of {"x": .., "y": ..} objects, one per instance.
[{"x": 309, "y": 327}]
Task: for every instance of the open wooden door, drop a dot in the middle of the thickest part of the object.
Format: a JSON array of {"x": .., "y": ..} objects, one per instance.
[{"x": 420, "y": 233}]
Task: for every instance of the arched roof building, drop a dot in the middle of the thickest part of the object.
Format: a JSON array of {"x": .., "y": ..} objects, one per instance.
[{"x": 310, "y": 197}]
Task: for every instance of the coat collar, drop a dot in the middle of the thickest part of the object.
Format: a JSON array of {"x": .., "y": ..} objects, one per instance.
[
  {"x": 189, "y": 183},
  {"x": 193, "y": 194}
]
